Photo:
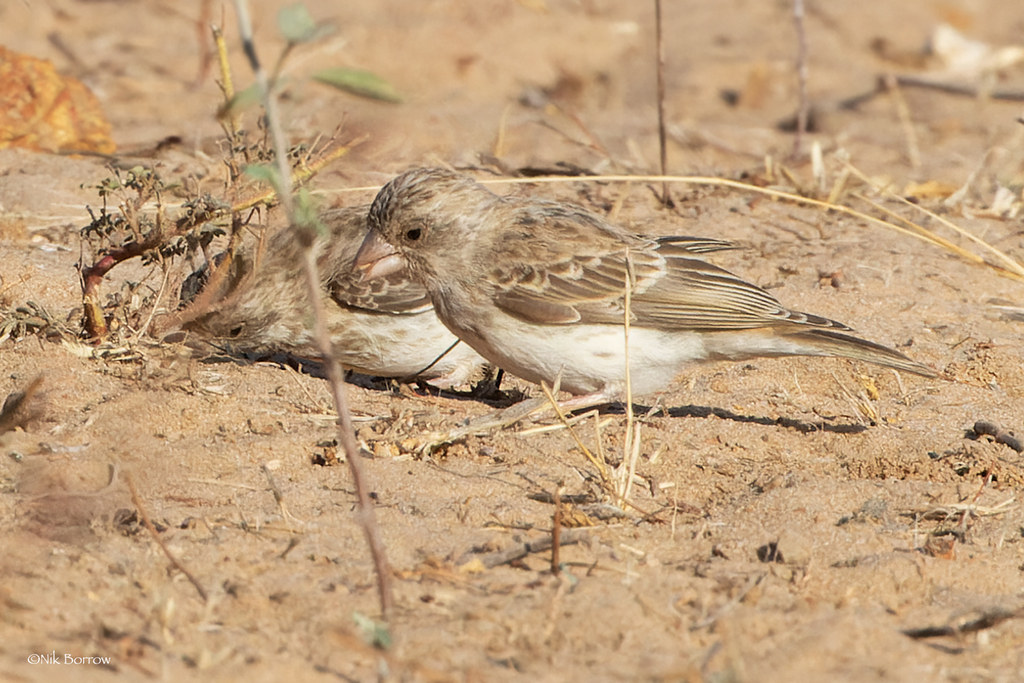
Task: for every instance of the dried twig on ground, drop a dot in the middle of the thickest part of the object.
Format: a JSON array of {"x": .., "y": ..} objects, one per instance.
[
  {"x": 137, "y": 502},
  {"x": 521, "y": 550},
  {"x": 1000, "y": 435},
  {"x": 986, "y": 620}
]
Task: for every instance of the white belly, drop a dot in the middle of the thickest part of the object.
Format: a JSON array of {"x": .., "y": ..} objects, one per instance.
[{"x": 588, "y": 359}]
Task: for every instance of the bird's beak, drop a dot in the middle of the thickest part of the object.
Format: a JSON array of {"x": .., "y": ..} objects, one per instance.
[{"x": 376, "y": 258}]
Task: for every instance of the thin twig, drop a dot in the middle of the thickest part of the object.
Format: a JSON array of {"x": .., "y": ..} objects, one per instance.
[
  {"x": 575, "y": 437},
  {"x": 556, "y": 531},
  {"x": 227, "y": 84},
  {"x": 156, "y": 302},
  {"x": 205, "y": 56},
  {"x": 666, "y": 199},
  {"x": 137, "y": 502},
  {"x": 801, "y": 71},
  {"x": 915, "y": 81},
  {"x": 269, "y": 102},
  {"x": 903, "y": 113},
  {"x": 628, "y": 463},
  {"x": 986, "y": 620},
  {"x": 521, "y": 550},
  {"x": 347, "y": 439},
  {"x": 306, "y": 235},
  {"x": 92, "y": 276},
  {"x": 279, "y": 495}
]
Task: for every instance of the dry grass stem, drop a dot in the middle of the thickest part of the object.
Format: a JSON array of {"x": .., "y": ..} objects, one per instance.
[
  {"x": 803, "y": 112},
  {"x": 666, "y": 199},
  {"x": 557, "y": 427},
  {"x": 946, "y": 512},
  {"x": 632, "y": 456},
  {"x": 226, "y": 82},
  {"x": 1011, "y": 267},
  {"x": 301, "y": 175},
  {"x": 924, "y": 233},
  {"x": 839, "y": 186},
  {"x": 296, "y": 377},
  {"x": 599, "y": 464},
  {"x": 556, "y": 530},
  {"x": 137, "y": 502},
  {"x": 903, "y": 113},
  {"x": 499, "y": 142},
  {"x": 305, "y": 233},
  {"x": 630, "y": 444},
  {"x": 818, "y": 167},
  {"x": 156, "y": 302},
  {"x": 598, "y": 424},
  {"x": 279, "y": 499}
]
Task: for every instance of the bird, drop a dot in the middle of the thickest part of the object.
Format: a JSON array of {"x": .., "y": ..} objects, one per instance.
[
  {"x": 540, "y": 288},
  {"x": 383, "y": 328}
]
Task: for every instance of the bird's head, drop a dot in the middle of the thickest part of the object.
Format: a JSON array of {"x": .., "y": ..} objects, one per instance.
[{"x": 418, "y": 219}]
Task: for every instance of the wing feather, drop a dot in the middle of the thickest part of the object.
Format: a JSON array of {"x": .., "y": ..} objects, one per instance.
[{"x": 671, "y": 289}]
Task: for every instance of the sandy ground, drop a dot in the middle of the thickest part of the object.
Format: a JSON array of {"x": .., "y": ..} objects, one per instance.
[{"x": 805, "y": 514}]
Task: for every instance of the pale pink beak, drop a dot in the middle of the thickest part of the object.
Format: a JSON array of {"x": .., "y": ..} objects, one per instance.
[{"x": 376, "y": 258}]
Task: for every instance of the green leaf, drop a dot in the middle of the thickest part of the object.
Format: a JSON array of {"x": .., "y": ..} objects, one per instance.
[
  {"x": 296, "y": 24},
  {"x": 243, "y": 99},
  {"x": 376, "y": 633},
  {"x": 359, "y": 82},
  {"x": 265, "y": 173},
  {"x": 306, "y": 214}
]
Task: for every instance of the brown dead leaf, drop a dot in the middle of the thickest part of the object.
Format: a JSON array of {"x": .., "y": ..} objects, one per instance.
[{"x": 44, "y": 111}]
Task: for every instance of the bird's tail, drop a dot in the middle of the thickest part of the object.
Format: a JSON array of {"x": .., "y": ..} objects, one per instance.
[{"x": 827, "y": 342}]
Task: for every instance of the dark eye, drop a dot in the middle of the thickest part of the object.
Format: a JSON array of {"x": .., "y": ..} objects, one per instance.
[
  {"x": 235, "y": 331},
  {"x": 413, "y": 234}
]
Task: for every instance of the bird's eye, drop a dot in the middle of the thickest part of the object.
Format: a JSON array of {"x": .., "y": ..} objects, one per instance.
[
  {"x": 413, "y": 234},
  {"x": 235, "y": 331}
]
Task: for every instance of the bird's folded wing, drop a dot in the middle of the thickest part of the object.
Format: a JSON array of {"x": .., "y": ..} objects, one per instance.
[
  {"x": 670, "y": 290},
  {"x": 394, "y": 294}
]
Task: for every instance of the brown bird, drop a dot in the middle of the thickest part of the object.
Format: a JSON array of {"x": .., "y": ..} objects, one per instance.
[
  {"x": 539, "y": 288},
  {"x": 383, "y": 328}
]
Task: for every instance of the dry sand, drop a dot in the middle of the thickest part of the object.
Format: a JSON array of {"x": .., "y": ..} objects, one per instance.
[{"x": 808, "y": 512}]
